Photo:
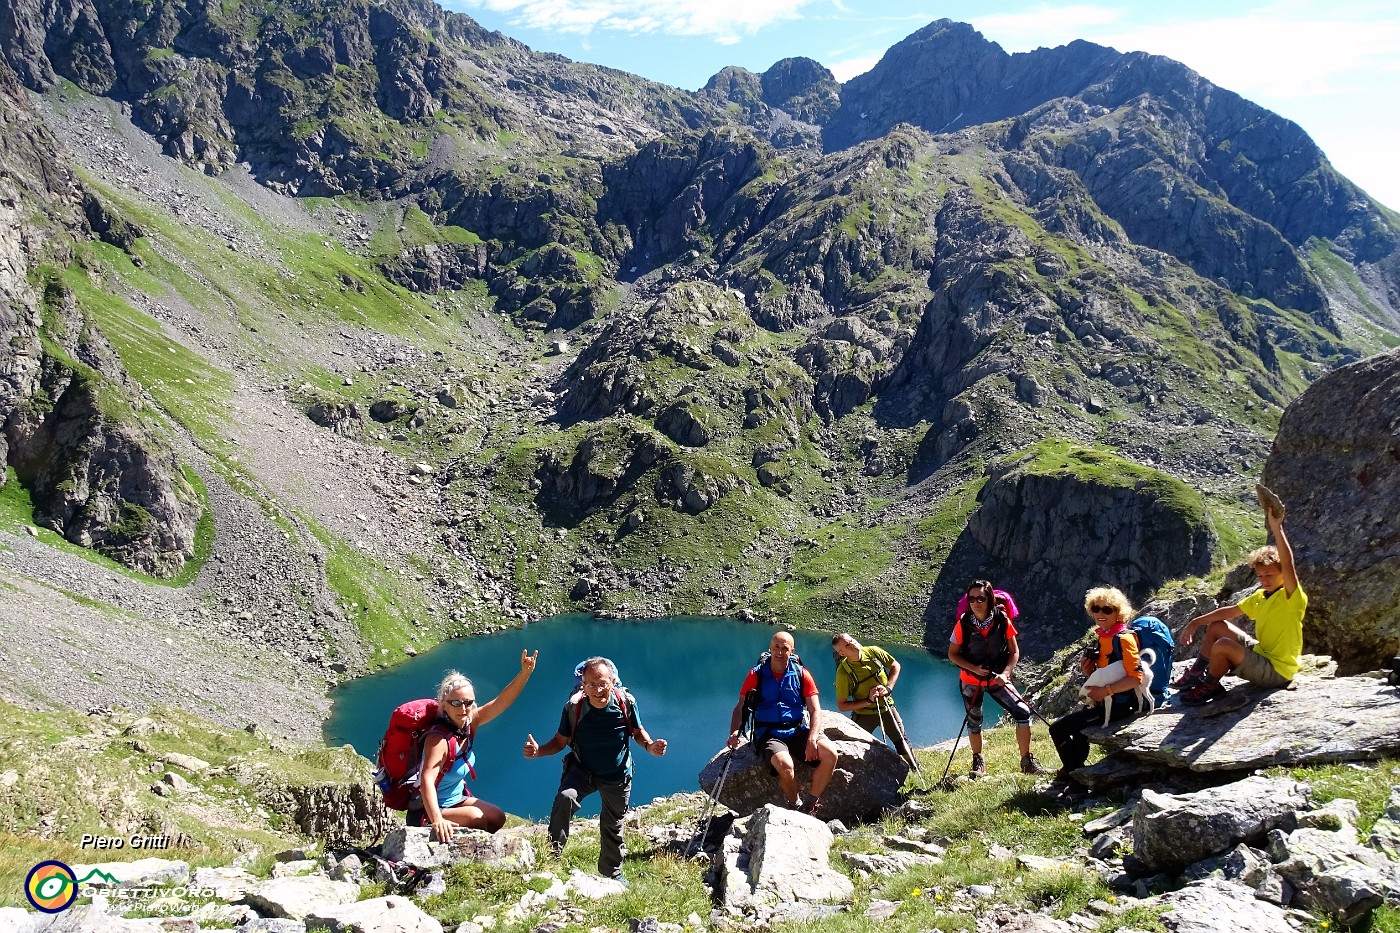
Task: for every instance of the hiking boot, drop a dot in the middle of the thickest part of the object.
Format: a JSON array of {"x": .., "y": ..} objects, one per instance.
[
  {"x": 813, "y": 807},
  {"x": 1203, "y": 692},
  {"x": 1030, "y": 766},
  {"x": 1193, "y": 674},
  {"x": 979, "y": 767}
]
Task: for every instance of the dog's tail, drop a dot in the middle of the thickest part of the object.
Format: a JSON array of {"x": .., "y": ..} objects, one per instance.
[{"x": 1147, "y": 657}]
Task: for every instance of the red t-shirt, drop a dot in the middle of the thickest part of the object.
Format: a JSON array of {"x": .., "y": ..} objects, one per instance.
[
  {"x": 809, "y": 686},
  {"x": 957, "y": 639}
]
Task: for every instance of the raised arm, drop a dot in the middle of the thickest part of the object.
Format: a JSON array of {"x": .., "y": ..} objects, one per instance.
[
  {"x": 1285, "y": 553},
  {"x": 496, "y": 707}
]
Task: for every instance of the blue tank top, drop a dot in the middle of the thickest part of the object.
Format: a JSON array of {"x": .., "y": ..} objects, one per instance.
[
  {"x": 780, "y": 704},
  {"x": 452, "y": 789}
]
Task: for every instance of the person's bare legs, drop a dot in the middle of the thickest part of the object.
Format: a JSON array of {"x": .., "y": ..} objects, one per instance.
[
  {"x": 787, "y": 776},
  {"x": 1224, "y": 646},
  {"x": 826, "y": 765},
  {"x": 475, "y": 813}
]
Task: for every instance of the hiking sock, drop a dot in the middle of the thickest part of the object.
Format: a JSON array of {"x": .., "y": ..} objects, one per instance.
[
  {"x": 1195, "y": 672},
  {"x": 1207, "y": 689}
]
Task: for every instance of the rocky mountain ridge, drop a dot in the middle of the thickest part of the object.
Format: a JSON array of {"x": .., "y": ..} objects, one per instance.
[{"x": 614, "y": 346}]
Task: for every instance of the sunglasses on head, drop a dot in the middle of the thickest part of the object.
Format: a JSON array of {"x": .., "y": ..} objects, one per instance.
[{"x": 1103, "y": 610}]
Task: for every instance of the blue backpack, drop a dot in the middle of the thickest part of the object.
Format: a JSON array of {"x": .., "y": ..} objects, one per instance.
[{"x": 1153, "y": 633}]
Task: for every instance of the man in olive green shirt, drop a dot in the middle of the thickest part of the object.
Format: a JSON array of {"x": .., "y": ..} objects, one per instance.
[{"x": 863, "y": 676}]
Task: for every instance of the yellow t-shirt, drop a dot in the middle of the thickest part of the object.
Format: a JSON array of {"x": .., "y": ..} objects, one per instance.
[
  {"x": 1278, "y": 624},
  {"x": 853, "y": 681}
]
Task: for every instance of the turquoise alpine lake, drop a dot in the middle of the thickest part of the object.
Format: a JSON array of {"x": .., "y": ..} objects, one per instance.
[{"x": 684, "y": 672}]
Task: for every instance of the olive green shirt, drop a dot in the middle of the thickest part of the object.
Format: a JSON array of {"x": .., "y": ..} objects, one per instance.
[{"x": 854, "y": 679}]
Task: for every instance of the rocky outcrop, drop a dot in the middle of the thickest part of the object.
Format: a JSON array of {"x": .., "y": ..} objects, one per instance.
[
  {"x": 674, "y": 187},
  {"x": 434, "y": 268},
  {"x": 1250, "y": 848},
  {"x": 781, "y": 856},
  {"x": 97, "y": 475},
  {"x": 867, "y": 779},
  {"x": 1340, "y": 480},
  {"x": 1171, "y": 832},
  {"x": 605, "y": 462},
  {"x": 344, "y": 812},
  {"x": 1099, "y": 519},
  {"x": 1343, "y": 719}
]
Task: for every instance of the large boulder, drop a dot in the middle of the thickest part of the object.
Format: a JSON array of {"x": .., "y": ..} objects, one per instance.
[
  {"x": 1316, "y": 722},
  {"x": 867, "y": 779},
  {"x": 1333, "y": 874},
  {"x": 1213, "y": 905},
  {"x": 392, "y": 914},
  {"x": 414, "y": 845},
  {"x": 1340, "y": 479},
  {"x": 296, "y": 898},
  {"x": 1171, "y": 831},
  {"x": 779, "y": 856}
]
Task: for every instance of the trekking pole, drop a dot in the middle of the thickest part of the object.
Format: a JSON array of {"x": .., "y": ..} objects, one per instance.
[
  {"x": 1016, "y": 695},
  {"x": 885, "y": 706},
  {"x": 702, "y": 825},
  {"x": 942, "y": 782}
]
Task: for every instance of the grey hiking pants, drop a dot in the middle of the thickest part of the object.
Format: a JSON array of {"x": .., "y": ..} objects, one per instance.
[{"x": 574, "y": 786}]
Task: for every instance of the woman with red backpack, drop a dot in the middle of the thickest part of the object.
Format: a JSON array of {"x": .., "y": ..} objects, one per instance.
[{"x": 445, "y": 801}]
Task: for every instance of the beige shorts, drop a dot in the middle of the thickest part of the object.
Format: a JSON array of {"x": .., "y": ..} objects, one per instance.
[{"x": 1256, "y": 668}]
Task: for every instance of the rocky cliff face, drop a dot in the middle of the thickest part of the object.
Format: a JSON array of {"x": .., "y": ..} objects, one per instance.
[
  {"x": 1339, "y": 476},
  {"x": 806, "y": 323},
  {"x": 97, "y": 475},
  {"x": 1062, "y": 520}
]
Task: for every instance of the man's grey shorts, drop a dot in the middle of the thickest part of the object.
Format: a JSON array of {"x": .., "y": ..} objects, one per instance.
[{"x": 1256, "y": 668}]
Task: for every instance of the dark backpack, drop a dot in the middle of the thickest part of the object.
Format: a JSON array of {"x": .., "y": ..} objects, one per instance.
[
  {"x": 579, "y": 705},
  {"x": 400, "y": 756},
  {"x": 1153, "y": 633}
]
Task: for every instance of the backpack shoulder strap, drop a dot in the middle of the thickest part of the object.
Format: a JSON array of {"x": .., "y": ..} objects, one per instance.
[{"x": 628, "y": 704}]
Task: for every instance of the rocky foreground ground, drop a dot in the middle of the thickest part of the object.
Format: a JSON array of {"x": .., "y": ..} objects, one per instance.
[{"x": 1140, "y": 840}]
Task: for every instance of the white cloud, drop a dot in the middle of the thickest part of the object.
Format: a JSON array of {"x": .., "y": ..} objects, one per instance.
[
  {"x": 848, "y": 68},
  {"x": 1043, "y": 25},
  {"x": 724, "y": 21},
  {"x": 1265, "y": 54}
]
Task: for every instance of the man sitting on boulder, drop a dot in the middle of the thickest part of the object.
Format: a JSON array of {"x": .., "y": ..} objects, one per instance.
[
  {"x": 785, "y": 690},
  {"x": 1277, "y": 607}
]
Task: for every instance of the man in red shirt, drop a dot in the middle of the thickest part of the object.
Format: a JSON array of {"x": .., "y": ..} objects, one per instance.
[{"x": 786, "y": 691}]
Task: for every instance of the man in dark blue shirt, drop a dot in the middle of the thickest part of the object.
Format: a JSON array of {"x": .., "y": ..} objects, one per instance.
[{"x": 596, "y": 725}]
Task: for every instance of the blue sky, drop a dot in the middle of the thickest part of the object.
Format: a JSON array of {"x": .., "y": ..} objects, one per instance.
[{"x": 1332, "y": 67}]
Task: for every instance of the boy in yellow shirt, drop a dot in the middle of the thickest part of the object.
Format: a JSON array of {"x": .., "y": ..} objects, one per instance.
[{"x": 1277, "y": 607}]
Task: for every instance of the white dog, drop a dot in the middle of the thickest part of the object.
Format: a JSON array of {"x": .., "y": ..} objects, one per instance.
[{"x": 1114, "y": 673}]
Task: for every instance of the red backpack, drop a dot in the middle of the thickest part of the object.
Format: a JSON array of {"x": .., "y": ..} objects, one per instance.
[{"x": 401, "y": 751}]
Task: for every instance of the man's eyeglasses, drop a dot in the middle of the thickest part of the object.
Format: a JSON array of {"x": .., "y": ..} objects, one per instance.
[
  {"x": 1103, "y": 610},
  {"x": 977, "y": 599},
  {"x": 462, "y": 704},
  {"x": 597, "y": 685}
]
